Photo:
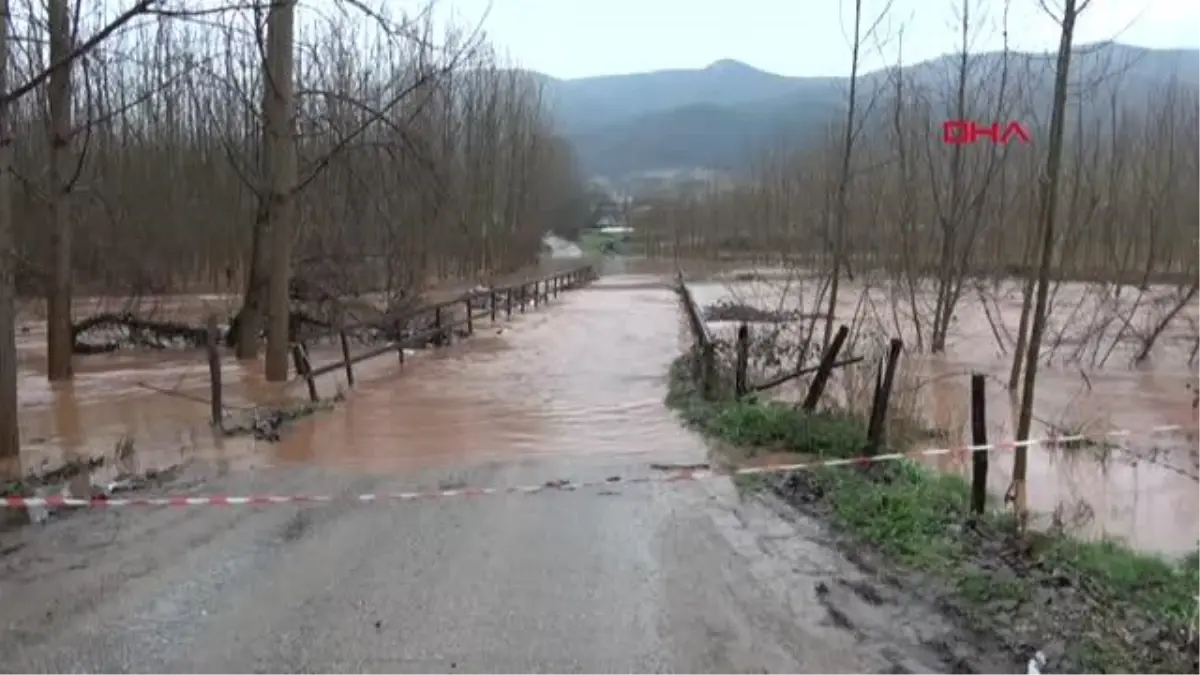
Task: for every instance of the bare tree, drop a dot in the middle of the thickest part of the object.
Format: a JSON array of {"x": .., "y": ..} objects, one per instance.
[
  {"x": 59, "y": 338},
  {"x": 840, "y": 207},
  {"x": 10, "y": 441},
  {"x": 65, "y": 53},
  {"x": 961, "y": 213},
  {"x": 1049, "y": 210},
  {"x": 278, "y": 104},
  {"x": 417, "y": 157}
]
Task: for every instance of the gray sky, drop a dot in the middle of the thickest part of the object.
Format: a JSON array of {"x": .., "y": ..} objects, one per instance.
[{"x": 576, "y": 38}]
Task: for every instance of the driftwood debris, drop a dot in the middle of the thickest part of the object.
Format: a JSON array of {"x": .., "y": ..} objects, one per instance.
[
  {"x": 318, "y": 314},
  {"x": 109, "y": 332}
]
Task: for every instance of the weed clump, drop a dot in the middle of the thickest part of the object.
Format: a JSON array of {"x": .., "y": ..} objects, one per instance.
[{"x": 756, "y": 425}]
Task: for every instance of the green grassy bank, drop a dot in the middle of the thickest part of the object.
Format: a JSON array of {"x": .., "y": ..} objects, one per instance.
[{"x": 1090, "y": 606}]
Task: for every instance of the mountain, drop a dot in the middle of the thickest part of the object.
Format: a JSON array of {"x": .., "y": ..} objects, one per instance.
[
  {"x": 599, "y": 101},
  {"x": 721, "y": 116},
  {"x": 715, "y": 117}
]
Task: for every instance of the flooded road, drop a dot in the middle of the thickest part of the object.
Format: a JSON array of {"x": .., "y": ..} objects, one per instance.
[
  {"x": 582, "y": 379},
  {"x": 659, "y": 577}
]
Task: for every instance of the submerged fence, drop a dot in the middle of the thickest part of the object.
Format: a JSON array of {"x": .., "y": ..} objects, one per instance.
[
  {"x": 439, "y": 318},
  {"x": 713, "y": 381},
  {"x": 718, "y": 378}
]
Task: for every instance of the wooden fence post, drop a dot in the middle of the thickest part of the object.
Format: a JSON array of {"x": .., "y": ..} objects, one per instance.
[
  {"x": 877, "y": 429},
  {"x": 470, "y": 318},
  {"x": 508, "y": 303},
  {"x": 304, "y": 369},
  {"x": 437, "y": 324},
  {"x": 979, "y": 457},
  {"x": 524, "y": 297},
  {"x": 824, "y": 368},
  {"x": 743, "y": 360},
  {"x": 346, "y": 358},
  {"x": 214, "y": 369},
  {"x": 399, "y": 343},
  {"x": 708, "y": 356},
  {"x": 492, "y": 299},
  {"x": 536, "y": 294}
]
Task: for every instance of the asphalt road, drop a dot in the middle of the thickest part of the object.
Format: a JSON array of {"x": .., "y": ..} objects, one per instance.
[
  {"x": 678, "y": 577},
  {"x": 663, "y": 577}
]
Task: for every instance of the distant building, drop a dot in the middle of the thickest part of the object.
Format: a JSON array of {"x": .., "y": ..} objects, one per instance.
[{"x": 616, "y": 229}]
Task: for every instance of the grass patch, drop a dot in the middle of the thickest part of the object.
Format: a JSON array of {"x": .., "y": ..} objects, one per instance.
[
  {"x": 596, "y": 242},
  {"x": 1091, "y": 606},
  {"x": 758, "y": 426}
]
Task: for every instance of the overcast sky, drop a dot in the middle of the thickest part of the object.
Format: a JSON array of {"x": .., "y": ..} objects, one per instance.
[{"x": 577, "y": 38}]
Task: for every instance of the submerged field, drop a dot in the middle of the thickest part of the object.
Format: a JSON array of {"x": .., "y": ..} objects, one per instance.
[{"x": 1139, "y": 487}]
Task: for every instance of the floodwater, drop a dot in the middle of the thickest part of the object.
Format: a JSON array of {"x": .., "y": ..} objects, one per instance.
[
  {"x": 1141, "y": 487},
  {"x": 585, "y": 378},
  {"x": 581, "y": 377}
]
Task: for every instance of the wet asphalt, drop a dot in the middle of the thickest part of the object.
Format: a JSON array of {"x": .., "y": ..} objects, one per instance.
[{"x": 678, "y": 577}]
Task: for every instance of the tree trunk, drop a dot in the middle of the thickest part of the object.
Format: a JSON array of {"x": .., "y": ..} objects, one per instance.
[
  {"x": 1049, "y": 200},
  {"x": 1027, "y": 286},
  {"x": 59, "y": 340},
  {"x": 249, "y": 321},
  {"x": 282, "y": 180},
  {"x": 841, "y": 216},
  {"x": 10, "y": 441}
]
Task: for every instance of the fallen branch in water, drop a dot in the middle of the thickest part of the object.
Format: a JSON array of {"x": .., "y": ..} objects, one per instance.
[
  {"x": 186, "y": 396},
  {"x": 803, "y": 371},
  {"x": 138, "y": 333}
]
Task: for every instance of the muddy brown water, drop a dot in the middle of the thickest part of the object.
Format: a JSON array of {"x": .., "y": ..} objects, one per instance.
[
  {"x": 543, "y": 386},
  {"x": 1141, "y": 488},
  {"x": 517, "y": 390}
]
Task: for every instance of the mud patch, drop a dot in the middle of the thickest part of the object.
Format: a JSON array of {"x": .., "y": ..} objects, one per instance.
[
  {"x": 836, "y": 616},
  {"x": 295, "y": 528}
]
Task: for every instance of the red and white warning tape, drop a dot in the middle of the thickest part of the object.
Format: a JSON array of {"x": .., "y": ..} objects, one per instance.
[
  {"x": 1006, "y": 445},
  {"x": 700, "y": 472}
]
